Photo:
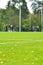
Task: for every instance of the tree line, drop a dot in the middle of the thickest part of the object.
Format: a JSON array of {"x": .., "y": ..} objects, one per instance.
[{"x": 10, "y": 15}]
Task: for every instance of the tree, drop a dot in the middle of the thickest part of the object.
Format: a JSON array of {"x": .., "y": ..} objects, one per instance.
[
  {"x": 36, "y": 6},
  {"x": 24, "y": 9},
  {"x": 38, "y": 9}
]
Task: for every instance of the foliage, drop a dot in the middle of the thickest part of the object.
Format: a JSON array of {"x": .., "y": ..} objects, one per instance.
[{"x": 10, "y": 15}]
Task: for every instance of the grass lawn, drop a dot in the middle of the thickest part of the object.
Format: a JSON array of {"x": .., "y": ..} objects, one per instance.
[{"x": 21, "y": 48}]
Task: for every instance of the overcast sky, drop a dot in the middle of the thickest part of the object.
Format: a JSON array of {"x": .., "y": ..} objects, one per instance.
[
  {"x": 3, "y": 4},
  {"x": 29, "y": 5}
]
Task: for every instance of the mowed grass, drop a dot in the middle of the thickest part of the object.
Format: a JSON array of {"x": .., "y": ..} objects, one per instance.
[{"x": 21, "y": 48}]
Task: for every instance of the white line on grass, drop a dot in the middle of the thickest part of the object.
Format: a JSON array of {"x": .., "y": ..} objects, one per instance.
[
  {"x": 13, "y": 41},
  {"x": 22, "y": 45},
  {"x": 22, "y": 42},
  {"x": 36, "y": 40},
  {"x": 19, "y": 40}
]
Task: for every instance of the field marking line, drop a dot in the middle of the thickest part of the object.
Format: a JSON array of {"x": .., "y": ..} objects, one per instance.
[
  {"x": 23, "y": 40},
  {"x": 19, "y": 41},
  {"x": 28, "y": 47}
]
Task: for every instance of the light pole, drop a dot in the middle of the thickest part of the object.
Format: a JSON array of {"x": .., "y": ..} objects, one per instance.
[
  {"x": 42, "y": 16},
  {"x": 20, "y": 4},
  {"x": 19, "y": 18},
  {"x": 41, "y": 5}
]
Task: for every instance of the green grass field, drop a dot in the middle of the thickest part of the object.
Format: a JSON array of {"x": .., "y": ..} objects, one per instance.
[{"x": 21, "y": 48}]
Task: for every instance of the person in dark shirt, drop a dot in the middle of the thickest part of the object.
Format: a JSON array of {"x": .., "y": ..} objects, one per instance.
[{"x": 11, "y": 27}]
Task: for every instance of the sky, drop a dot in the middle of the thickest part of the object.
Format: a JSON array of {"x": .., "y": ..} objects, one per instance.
[
  {"x": 29, "y": 6},
  {"x": 3, "y": 4}
]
